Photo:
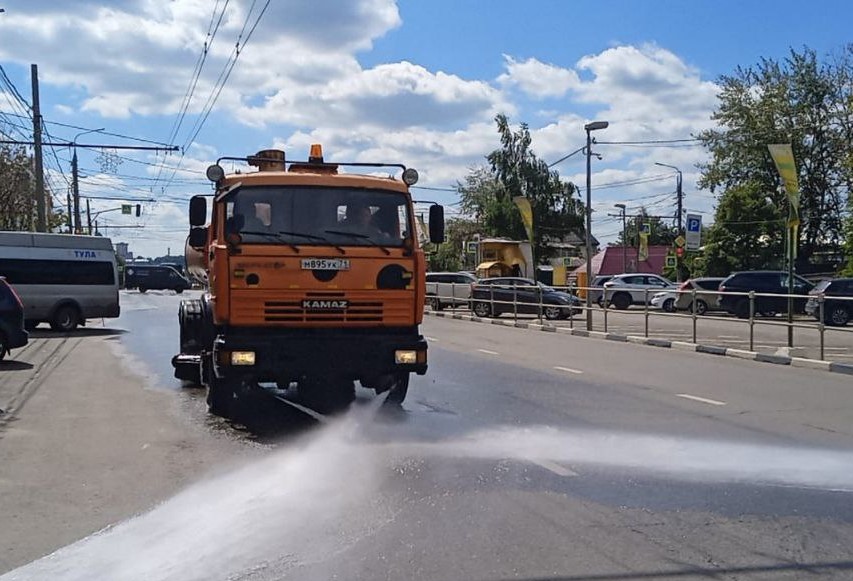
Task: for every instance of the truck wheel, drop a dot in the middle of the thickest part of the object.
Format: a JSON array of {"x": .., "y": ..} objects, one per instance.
[
  {"x": 397, "y": 392},
  {"x": 65, "y": 319},
  {"x": 221, "y": 397}
]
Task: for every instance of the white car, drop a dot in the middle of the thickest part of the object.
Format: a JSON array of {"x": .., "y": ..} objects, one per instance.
[
  {"x": 624, "y": 290},
  {"x": 664, "y": 301},
  {"x": 445, "y": 289}
]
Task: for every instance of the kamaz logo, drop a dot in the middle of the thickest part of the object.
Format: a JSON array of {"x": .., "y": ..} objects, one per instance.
[{"x": 321, "y": 305}]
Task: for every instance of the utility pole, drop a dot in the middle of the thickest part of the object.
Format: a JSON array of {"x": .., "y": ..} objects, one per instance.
[
  {"x": 70, "y": 216},
  {"x": 589, "y": 128},
  {"x": 624, "y": 238},
  {"x": 41, "y": 221},
  {"x": 88, "y": 216},
  {"x": 75, "y": 191}
]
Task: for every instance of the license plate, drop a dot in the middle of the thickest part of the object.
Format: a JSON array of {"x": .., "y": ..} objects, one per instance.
[{"x": 325, "y": 264}]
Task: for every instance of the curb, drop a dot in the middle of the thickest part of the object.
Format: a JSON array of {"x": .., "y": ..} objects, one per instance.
[{"x": 798, "y": 362}]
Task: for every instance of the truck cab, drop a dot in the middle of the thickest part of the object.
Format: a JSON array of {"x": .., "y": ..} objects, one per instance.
[{"x": 315, "y": 279}]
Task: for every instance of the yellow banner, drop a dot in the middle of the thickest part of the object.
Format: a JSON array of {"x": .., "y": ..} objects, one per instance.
[
  {"x": 644, "y": 247},
  {"x": 783, "y": 157},
  {"x": 526, "y": 215}
]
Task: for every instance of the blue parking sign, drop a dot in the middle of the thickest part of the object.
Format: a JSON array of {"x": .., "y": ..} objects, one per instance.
[{"x": 694, "y": 231}]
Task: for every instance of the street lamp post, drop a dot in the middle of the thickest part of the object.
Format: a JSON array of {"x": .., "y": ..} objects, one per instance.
[
  {"x": 624, "y": 238},
  {"x": 589, "y": 128},
  {"x": 75, "y": 180}
]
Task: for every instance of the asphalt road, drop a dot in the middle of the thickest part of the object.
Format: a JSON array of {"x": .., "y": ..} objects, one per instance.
[
  {"x": 770, "y": 334},
  {"x": 521, "y": 455}
]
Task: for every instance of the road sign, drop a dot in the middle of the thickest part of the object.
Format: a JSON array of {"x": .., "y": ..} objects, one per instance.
[
  {"x": 694, "y": 231},
  {"x": 679, "y": 241},
  {"x": 670, "y": 262},
  {"x": 679, "y": 252},
  {"x": 126, "y": 209}
]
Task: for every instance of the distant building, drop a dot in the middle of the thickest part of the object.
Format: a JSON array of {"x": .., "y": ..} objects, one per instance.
[{"x": 123, "y": 252}]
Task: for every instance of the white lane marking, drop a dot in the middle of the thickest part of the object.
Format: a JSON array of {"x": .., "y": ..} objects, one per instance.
[
  {"x": 555, "y": 468},
  {"x": 700, "y": 399},
  {"x": 728, "y": 336},
  {"x": 568, "y": 369},
  {"x": 431, "y": 339},
  {"x": 487, "y": 352}
]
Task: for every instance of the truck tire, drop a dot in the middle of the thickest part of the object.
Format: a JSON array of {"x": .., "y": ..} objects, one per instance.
[
  {"x": 221, "y": 396},
  {"x": 397, "y": 393}
]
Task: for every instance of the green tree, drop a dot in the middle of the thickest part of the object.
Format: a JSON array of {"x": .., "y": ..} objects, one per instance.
[
  {"x": 17, "y": 200},
  {"x": 800, "y": 101},
  {"x": 450, "y": 256},
  {"x": 514, "y": 170}
]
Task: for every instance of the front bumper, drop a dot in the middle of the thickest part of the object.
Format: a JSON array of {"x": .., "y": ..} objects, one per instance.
[{"x": 294, "y": 353}]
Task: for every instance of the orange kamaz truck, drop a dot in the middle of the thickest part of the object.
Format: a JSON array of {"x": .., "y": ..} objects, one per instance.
[{"x": 314, "y": 280}]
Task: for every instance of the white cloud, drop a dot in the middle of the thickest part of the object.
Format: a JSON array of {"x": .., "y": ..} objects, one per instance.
[{"x": 538, "y": 79}]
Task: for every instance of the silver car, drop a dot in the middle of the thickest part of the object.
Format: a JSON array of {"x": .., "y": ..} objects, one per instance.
[
  {"x": 451, "y": 289},
  {"x": 624, "y": 290}
]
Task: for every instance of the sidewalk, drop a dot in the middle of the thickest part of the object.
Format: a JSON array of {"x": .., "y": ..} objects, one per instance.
[{"x": 83, "y": 444}]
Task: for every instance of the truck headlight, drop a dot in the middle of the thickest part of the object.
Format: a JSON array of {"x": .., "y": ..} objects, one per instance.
[
  {"x": 242, "y": 358},
  {"x": 409, "y": 356}
]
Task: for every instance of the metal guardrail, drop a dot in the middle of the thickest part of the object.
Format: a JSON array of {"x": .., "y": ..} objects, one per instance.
[{"x": 543, "y": 310}]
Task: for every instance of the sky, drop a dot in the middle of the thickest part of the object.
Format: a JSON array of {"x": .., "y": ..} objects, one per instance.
[{"x": 412, "y": 82}]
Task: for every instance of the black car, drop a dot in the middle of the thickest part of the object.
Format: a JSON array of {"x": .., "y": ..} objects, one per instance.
[
  {"x": 836, "y": 311},
  {"x": 492, "y": 296},
  {"x": 12, "y": 333},
  {"x": 764, "y": 282},
  {"x": 149, "y": 277}
]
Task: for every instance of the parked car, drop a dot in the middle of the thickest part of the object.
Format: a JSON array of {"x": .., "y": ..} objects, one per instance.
[
  {"x": 768, "y": 282},
  {"x": 490, "y": 297},
  {"x": 448, "y": 289},
  {"x": 835, "y": 311},
  {"x": 664, "y": 300},
  {"x": 707, "y": 297},
  {"x": 152, "y": 277},
  {"x": 12, "y": 333},
  {"x": 597, "y": 287},
  {"x": 624, "y": 290}
]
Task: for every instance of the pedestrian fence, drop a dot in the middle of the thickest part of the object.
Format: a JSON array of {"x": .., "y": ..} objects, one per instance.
[{"x": 827, "y": 312}]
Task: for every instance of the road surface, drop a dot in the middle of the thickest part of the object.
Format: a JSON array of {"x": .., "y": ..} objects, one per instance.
[{"x": 521, "y": 455}]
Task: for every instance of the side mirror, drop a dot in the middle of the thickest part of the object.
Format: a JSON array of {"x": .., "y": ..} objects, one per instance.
[
  {"x": 436, "y": 224},
  {"x": 198, "y": 211},
  {"x": 198, "y": 237}
]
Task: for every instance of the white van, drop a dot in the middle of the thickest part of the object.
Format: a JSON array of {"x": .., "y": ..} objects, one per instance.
[{"x": 62, "y": 279}]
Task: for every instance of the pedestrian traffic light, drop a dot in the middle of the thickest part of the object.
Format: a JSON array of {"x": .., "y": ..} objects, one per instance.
[{"x": 138, "y": 210}]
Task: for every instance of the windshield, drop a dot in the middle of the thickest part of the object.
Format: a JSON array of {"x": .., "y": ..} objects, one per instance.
[{"x": 318, "y": 215}]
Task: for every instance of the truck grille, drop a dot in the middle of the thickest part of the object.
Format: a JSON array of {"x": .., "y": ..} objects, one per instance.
[{"x": 323, "y": 307}]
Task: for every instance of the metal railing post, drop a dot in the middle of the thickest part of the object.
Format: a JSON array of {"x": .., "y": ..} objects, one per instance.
[
  {"x": 606, "y": 304},
  {"x": 452, "y": 295},
  {"x": 821, "y": 325},
  {"x": 693, "y": 305},
  {"x": 571, "y": 313},
  {"x": 492, "y": 300},
  {"x": 646, "y": 311},
  {"x": 751, "y": 320},
  {"x": 515, "y": 304},
  {"x": 541, "y": 308}
]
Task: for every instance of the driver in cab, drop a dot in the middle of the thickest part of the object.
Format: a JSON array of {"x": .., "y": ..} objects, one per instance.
[{"x": 359, "y": 219}]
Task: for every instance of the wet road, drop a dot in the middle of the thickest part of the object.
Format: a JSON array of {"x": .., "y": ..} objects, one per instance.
[{"x": 521, "y": 455}]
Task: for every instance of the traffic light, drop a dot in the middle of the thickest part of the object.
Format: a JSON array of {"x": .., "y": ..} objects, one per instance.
[
  {"x": 138, "y": 210},
  {"x": 679, "y": 251}
]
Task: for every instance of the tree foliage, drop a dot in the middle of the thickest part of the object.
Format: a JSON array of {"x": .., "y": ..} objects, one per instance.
[
  {"x": 17, "y": 202},
  {"x": 798, "y": 100},
  {"x": 450, "y": 256},
  {"x": 514, "y": 170}
]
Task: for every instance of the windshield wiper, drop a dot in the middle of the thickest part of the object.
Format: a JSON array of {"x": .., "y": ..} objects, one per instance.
[
  {"x": 360, "y": 237},
  {"x": 276, "y": 235},
  {"x": 312, "y": 237}
]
